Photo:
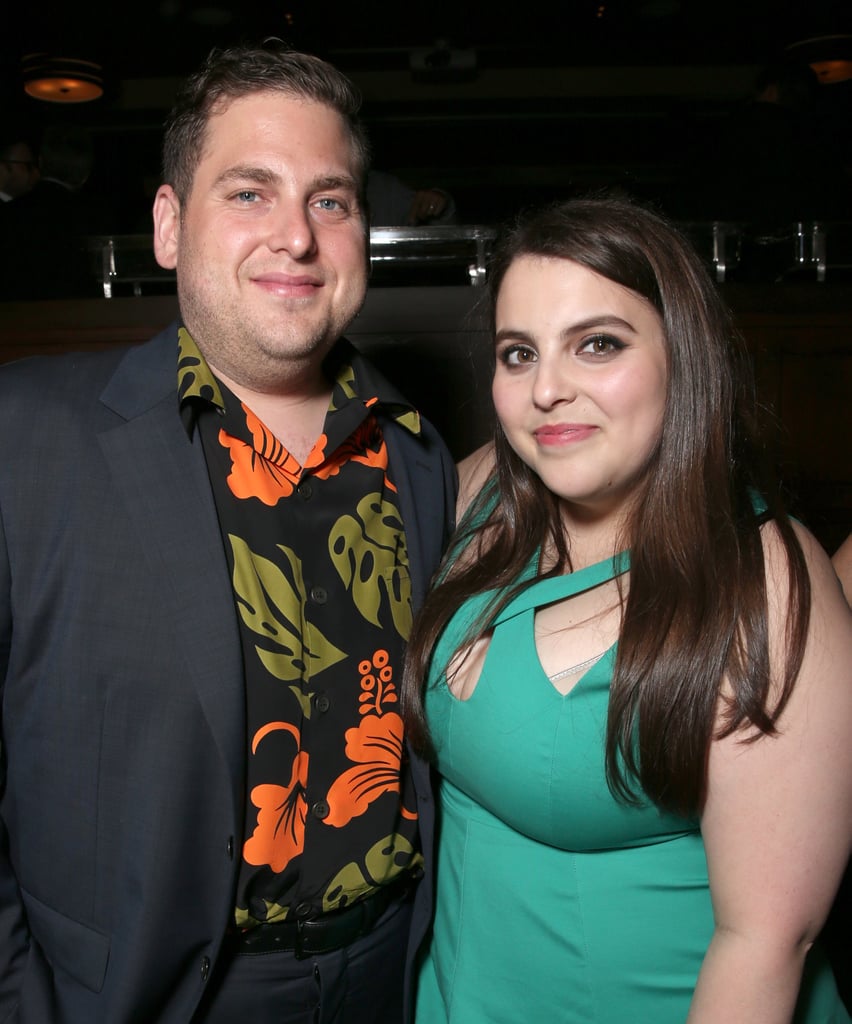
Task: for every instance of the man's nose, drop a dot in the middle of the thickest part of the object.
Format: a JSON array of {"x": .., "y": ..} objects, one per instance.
[{"x": 291, "y": 230}]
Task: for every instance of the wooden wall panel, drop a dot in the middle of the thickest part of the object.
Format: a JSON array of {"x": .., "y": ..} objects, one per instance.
[{"x": 433, "y": 343}]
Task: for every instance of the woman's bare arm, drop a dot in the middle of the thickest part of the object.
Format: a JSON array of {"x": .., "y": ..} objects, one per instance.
[{"x": 778, "y": 816}]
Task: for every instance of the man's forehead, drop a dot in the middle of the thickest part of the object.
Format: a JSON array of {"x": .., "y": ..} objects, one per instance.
[
  {"x": 282, "y": 97},
  {"x": 256, "y": 109},
  {"x": 215, "y": 136}
]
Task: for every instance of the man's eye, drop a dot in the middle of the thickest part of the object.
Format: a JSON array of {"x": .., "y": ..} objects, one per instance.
[
  {"x": 327, "y": 204},
  {"x": 246, "y": 196}
]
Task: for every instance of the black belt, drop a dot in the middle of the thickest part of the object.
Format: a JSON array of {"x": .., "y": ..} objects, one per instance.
[{"x": 323, "y": 934}]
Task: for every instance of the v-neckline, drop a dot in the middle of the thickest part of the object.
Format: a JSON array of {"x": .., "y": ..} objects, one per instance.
[{"x": 554, "y": 589}]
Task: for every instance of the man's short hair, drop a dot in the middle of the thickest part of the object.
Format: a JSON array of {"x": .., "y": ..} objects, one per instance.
[{"x": 230, "y": 74}]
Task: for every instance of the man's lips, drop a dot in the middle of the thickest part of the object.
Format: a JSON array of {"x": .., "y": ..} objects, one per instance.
[
  {"x": 287, "y": 284},
  {"x": 563, "y": 433}
]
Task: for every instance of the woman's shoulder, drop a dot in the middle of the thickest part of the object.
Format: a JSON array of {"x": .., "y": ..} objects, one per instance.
[
  {"x": 842, "y": 562},
  {"x": 777, "y": 557},
  {"x": 474, "y": 472},
  {"x": 830, "y": 618}
]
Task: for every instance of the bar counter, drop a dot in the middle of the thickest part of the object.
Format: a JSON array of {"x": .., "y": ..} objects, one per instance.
[{"x": 432, "y": 341}]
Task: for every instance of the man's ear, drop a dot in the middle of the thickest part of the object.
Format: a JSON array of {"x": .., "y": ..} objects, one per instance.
[{"x": 166, "y": 227}]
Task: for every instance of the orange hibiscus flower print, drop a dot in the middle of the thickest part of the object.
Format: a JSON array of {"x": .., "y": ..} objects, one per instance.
[
  {"x": 265, "y": 469},
  {"x": 376, "y": 748},
  {"x": 366, "y": 445},
  {"x": 280, "y": 832}
]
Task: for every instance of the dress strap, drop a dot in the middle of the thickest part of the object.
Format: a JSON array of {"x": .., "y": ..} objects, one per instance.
[{"x": 555, "y": 588}]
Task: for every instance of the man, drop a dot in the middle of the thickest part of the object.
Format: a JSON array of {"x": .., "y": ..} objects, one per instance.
[
  {"x": 394, "y": 204},
  {"x": 18, "y": 168},
  {"x": 18, "y": 175},
  {"x": 210, "y": 549},
  {"x": 46, "y": 229}
]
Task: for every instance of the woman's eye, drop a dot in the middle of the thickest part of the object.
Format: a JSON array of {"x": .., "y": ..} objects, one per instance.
[
  {"x": 517, "y": 355},
  {"x": 601, "y": 345}
]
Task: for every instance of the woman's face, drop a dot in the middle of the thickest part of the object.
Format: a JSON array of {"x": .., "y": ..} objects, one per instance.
[{"x": 581, "y": 379}]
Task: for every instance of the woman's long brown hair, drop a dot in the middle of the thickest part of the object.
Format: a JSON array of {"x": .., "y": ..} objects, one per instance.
[{"x": 695, "y": 613}]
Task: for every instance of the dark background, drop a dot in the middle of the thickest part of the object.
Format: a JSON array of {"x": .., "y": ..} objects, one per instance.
[
  {"x": 505, "y": 109},
  {"x": 500, "y": 109}
]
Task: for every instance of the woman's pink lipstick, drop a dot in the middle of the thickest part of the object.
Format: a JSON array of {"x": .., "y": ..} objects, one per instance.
[{"x": 556, "y": 434}]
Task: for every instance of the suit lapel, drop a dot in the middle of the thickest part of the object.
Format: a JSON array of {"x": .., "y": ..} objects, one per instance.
[
  {"x": 416, "y": 489},
  {"x": 161, "y": 475}
]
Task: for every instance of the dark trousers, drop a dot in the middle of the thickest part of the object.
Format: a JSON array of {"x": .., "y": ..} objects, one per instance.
[{"x": 361, "y": 984}]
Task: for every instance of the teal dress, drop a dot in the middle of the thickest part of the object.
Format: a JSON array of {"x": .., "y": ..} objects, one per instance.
[{"x": 556, "y": 903}]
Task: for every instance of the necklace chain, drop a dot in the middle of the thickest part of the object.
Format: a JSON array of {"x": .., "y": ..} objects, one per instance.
[{"x": 576, "y": 668}]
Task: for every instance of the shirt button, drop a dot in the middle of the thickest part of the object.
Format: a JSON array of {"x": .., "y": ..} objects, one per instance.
[
  {"x": 320, "y": 809},
  {"x": 230, "y": 847},
  {"x": 303, "y": 910},
  {"x": 305, "y": 490},
  {"x": 205, "y": 968},
  {"x": 322, "y": 702},
  {"x": 319, "y": 594}
]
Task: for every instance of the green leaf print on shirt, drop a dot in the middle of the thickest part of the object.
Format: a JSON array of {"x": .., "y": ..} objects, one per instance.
[
  {"x": 386, "y": 859},
  {"x": 273, "y": 607},
  {"x": 371, "y": 557}
]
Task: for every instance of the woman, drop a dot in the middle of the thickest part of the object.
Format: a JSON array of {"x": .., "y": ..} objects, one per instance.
[
  {"x": 842, "y": 562},
  {"x": 635, "y": 673}
]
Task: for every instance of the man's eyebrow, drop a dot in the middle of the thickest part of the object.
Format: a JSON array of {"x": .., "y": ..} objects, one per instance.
[
  {"x": 241, "y": 173},
  {"x": 335, "y": 181},
  {"x": 244, "y": 172}
]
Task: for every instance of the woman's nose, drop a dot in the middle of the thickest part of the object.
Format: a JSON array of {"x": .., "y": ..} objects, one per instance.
[{"x": 554, "y": 383}]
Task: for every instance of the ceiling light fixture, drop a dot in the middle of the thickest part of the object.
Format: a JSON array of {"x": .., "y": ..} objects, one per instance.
[
  {"x": 61, "y": 79},
  {"x": 829, "y": 56}
]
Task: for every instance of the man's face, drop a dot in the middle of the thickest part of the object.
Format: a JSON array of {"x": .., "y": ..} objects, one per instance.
[
  {"x": 269, "y": 245},
  {"x": 19, "y": 168}
]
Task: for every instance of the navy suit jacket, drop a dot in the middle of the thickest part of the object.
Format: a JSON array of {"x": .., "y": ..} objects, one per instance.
[{"x": 123, "y": 737}]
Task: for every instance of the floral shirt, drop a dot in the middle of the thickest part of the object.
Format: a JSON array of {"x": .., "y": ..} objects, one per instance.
[{"x": 319, "y": 565}]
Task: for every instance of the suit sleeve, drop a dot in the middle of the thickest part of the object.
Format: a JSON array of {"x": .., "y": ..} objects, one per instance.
[{"x": 14, "y": 939}]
